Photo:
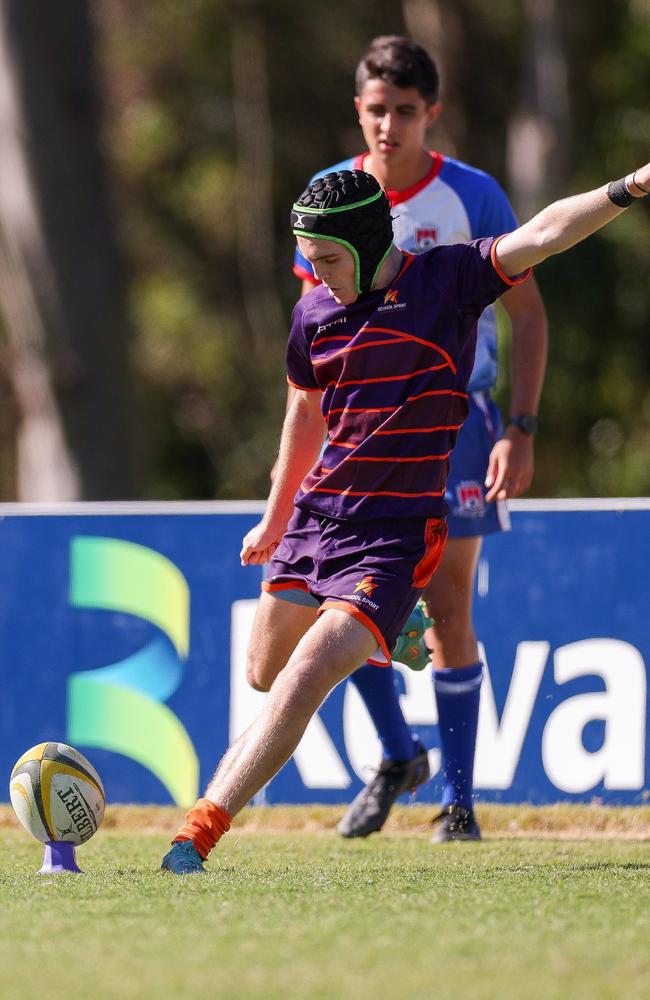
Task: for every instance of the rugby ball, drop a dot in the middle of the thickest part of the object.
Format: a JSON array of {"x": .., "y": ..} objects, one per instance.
[{"x": 57, "y": 794}]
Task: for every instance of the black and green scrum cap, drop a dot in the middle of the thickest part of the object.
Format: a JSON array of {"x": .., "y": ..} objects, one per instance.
[{"x": 348, "y": 207}]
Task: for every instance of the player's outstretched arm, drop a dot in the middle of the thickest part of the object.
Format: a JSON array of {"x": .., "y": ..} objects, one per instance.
[
  {"x": 302, "y": 438},
  {"x": 565, "y": 223}
]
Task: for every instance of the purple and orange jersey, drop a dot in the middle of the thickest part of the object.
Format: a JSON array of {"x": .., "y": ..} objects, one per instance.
[
  {"x": 453, "y": 203},
  {"x": 393, "y": 369}
]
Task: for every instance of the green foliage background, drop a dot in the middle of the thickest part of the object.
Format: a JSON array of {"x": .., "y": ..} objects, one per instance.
[{"x": 211, "y": 393}]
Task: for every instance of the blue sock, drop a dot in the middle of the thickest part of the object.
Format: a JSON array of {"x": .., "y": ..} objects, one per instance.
[
  {"x": 377, "y": 686},
  {"x": 457, "y": 693}
]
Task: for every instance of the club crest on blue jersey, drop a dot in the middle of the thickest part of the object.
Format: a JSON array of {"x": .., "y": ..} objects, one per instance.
[
  {"x": 471, "y": 502},
  {"x": 425, "y": 238}
]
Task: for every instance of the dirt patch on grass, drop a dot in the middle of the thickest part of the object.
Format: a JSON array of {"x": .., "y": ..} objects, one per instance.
[{"x": 575, "y": 822}]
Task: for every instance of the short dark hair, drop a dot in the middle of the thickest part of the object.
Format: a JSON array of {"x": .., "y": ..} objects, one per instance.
[{"x": 399, "y": 61}]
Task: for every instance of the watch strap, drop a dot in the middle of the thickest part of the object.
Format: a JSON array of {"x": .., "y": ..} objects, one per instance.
[{"x": 527, "y": 423}]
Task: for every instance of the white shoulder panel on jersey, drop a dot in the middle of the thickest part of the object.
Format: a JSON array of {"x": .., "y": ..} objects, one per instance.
[{"x": 435, "y": 215}]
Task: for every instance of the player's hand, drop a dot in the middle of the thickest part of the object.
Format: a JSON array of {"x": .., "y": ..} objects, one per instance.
[
  {"x": 259, "y": 544},
  {"x": 511, "y": 466}
]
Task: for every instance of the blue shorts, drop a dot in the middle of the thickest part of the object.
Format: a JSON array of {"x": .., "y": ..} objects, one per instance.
[{"x": 469, "y": 514}]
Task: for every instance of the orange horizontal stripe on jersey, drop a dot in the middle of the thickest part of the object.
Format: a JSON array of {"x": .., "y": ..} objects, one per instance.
[
  {"x": 364, "y": 409},
  {"x": 324, "y": 340},
  {"x": 387, "y": 378},
  {"x": 437, "y": 392},
  {"x": 372, "y": 493},
  {"x": 399, "y": 337},
  {"x": 344, "y": 444},
  {"x": 391, "y": 409},
  {"x": 393, "y": 458},
  {"x": 414, "y": 339},
  {"x": 419, "y": 430},
  {"x": 362, "y": 347}
]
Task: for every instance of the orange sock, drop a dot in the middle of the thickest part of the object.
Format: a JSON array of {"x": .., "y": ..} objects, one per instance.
[{"x": 204, "y": 825}]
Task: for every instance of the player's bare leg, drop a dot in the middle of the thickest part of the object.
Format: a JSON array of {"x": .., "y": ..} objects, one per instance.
[
  {"x": 449, "y": 597},
  {"x": 328, "y": 653},
  {"x": 278, "y": 627},
  {"x": 457, "y": 679},
  {"x": 331, "y": 649}
]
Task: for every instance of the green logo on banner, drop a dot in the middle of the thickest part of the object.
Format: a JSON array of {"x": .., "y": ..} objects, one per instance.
[{"x": 119, "y": 707}]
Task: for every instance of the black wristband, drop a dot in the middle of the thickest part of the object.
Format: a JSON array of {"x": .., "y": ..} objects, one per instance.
[{"x": 619, "y": 195}]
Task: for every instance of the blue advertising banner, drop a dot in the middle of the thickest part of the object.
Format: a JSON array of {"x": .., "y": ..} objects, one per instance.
[{"x": 124, "y": 631}]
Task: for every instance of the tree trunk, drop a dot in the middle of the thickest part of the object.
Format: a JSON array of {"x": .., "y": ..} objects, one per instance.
[
  {"x": 539, "y": 131},
  {"x": 60, "y": 286},
  {"x": 254, "y": 195},
  {"x": 437, "y": 25}
]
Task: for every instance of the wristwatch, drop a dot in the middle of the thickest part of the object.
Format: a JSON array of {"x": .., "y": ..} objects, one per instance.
[{"x": 526, "y": 422}]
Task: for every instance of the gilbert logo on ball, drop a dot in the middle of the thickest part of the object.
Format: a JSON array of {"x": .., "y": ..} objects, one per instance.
[{"x": 57, "y": 794}]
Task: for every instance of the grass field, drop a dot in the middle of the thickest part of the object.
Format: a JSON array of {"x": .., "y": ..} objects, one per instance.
[{"x": 290, "y": 910}]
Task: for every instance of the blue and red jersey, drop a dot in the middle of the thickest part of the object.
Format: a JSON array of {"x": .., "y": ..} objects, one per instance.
[
  {"x": 454, "y": 203},
  {"x": 393, "y": 369}
]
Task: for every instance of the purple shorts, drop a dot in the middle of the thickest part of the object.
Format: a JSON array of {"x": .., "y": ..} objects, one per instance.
[{"x": 373, "y": 570}]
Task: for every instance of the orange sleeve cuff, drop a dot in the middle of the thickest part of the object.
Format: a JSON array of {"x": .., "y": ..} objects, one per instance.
[
  {"x": 518, "y": 278},
  {"x": 302, "y": 388}
]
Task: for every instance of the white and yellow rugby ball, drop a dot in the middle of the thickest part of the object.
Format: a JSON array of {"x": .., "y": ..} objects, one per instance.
[{"x": 57, "y": 794}]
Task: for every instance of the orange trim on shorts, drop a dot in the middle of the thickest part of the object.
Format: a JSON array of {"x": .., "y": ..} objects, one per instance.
[
  {"x": 289, "y": 585},
  {"x": 495, "y": 264},
  {"x": 435, "y": 536},
  {"x": 372, "y": 493},
  {"x": 355, "y": 612}
]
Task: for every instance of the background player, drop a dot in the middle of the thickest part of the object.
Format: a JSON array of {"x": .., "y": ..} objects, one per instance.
[
  {"x": 437, "y": 200},
  {"x": 372, "y": 506}
]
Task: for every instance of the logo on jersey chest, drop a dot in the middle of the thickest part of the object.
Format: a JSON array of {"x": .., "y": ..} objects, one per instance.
[
  {"x": 426, "y": 237},
  {"x": 390, "y": 301},
  {"x": 332, "y": 322}
]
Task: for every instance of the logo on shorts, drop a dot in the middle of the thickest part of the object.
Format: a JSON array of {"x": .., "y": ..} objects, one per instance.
[
  {"x": 391, "y": 295},
  {"x": 366, "y": 586},
  {"x": 426, "y": 238},
  {"x": 471, "y": 502}
]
